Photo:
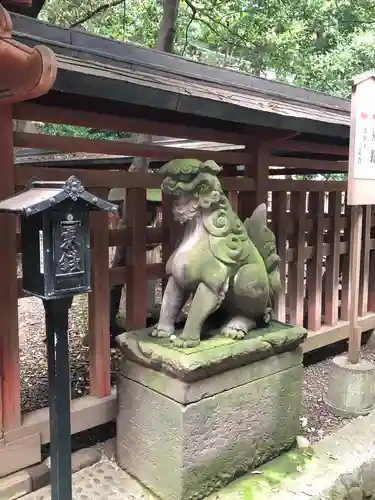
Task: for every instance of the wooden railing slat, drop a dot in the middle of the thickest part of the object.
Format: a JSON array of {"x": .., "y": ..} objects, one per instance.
[
  {"x": 315, "y": 264},
  {"x": 331, "y": 295},
  {"x": 365, "y": 262},
  {"x": 296, "y": 278},
  {"x": 344, "y": 269},
  {"x": 279, "y": 221}
]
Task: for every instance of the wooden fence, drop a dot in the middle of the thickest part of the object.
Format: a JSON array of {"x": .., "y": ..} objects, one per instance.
[{"x": 313, "y": 243}]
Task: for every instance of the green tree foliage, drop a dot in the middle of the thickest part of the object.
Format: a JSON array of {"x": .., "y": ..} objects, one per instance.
[
  {"x": 319, "y": 44},
  {"x": 91, "y": 133}
]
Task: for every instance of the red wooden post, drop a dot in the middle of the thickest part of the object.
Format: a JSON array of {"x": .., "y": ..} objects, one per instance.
[
  {"x": 257, "y": 167},
  {"x": 9, "y": 343},
  {"x": 99, "y": 340}
]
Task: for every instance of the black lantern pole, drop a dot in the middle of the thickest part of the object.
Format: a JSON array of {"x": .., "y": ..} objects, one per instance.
[
  {"x": 56, "y": 265},
  {"x": 57, "y": 318}
]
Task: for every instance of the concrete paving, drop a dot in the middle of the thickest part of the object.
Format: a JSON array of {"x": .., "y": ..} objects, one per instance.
[
  {"x": 102, "y": 481},
  {"x": 341, "y": 466}
]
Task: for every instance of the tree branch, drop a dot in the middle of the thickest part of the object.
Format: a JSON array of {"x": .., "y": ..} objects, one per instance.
[
  {"x": 202, "y": 12},
  {"x": 187, "y": 32},
  {"x": 96, "y": 11}
]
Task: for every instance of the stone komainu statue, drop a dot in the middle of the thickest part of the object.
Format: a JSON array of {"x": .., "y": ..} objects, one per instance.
[{"x": 231, "y": 267}]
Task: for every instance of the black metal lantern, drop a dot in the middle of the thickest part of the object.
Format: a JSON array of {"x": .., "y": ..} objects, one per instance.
[
  {"x": 55, "y": 236},
  {"x": 56, "y": 263}
]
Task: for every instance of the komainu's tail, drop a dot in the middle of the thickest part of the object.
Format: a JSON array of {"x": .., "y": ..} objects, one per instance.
[{"x": 265, "y": 242}]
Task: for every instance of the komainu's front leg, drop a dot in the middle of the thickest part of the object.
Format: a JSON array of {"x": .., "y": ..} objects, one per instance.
[
  {"x": 204, "y": 303},
  {"x": 174, "y": 298}
]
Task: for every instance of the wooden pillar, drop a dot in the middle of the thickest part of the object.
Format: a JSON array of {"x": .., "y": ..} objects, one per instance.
[
  {"x": 99, "y": 339},
  {"x": 258, "y": 169},
  {"x": 9, "y": 343}
]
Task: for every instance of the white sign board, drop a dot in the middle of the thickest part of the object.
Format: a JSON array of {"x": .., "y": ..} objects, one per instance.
[{"x": 361, "y": 179}]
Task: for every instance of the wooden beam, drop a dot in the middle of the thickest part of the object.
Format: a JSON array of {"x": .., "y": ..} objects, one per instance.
[
  {"x": 54, "y": 114},
  {"x": 328, "y": 335},
  {"x": 312, "y": 186},
  {"x": 310, "y": 147},
  {"x": 20, "y": 454},
  {"x": 115, "y": 178},
  {"x": 118, "y": 236},
  {"x": 119, "y": 147},
  {"x": 119, "y": 275},
  {"x": 314, "y": 166},
  {"x": 86, "y": 412}
]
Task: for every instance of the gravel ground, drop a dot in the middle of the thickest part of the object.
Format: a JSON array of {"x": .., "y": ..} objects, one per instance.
[{"x": 316, "y": 421}]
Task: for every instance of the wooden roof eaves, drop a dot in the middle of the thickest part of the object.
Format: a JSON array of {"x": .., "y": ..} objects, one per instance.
[
  {"x": 139, "y": 57},
  {"x": 215, "y": 92},
  {"x": 129, "y": 87}
]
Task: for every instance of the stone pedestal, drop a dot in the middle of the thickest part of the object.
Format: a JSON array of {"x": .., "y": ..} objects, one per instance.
[{"x": 191, "y": 420}]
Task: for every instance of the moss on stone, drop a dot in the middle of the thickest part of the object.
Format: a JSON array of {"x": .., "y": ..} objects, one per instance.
[
  {"x": 212, "y": 355},
  {"x": 268, "y": 478}
]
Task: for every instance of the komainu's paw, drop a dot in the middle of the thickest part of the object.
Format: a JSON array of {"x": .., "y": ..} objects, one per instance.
[
  {"x": 233, "y": 333},
  {"x": 162, "y": 332},
  {"x": 237, "y": 327},
  {"x": 179, "y": 342}
]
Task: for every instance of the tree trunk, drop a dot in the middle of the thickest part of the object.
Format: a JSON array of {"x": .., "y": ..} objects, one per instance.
[{"x": 164, "y": 42}]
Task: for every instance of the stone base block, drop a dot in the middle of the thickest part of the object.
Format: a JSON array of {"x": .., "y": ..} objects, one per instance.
[
  {"x": 351, "y": 388},
  {"x": 185, "y": 439}
]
